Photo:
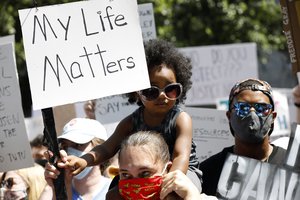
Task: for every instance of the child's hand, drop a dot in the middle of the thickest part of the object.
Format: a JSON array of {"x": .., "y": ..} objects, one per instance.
[{"x": 72, "y": 163}]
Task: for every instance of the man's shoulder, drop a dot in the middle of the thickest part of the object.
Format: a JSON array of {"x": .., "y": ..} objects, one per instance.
[{"x": 217, "y": 159}]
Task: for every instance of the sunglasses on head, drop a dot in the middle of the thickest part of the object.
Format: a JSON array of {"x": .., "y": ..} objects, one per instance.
[
  {"x": 242, "y": 109},
  {"x": 172, "y": 91}
]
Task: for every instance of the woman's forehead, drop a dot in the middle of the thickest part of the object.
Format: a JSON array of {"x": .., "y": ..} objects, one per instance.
[{"x": 137, "y": 156}]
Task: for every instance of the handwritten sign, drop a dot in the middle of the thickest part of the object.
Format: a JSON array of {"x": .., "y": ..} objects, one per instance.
[
  {"x": 147, "y": 21},
  {"x": 83, "y": 50},
  {"x": 110, "y": 110},
  {"x": 15, "y": 150},
  {"x": 217, "y": 68},
  {"x": 210, "y": 131}
]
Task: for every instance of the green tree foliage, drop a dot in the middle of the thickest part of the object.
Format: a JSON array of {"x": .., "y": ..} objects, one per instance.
[{"x": 184, "y": 22}]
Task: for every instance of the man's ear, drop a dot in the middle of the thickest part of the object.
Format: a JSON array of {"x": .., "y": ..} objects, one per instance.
[
  {"x": 274, "y": 115},
  {"x": 228, "y": 115}
]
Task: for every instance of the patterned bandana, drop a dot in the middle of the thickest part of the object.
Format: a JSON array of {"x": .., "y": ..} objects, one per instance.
[{"x": 141, "y": 188}]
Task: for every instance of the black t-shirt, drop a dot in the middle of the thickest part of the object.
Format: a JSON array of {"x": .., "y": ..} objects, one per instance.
[{"x": 212, "y": 167}]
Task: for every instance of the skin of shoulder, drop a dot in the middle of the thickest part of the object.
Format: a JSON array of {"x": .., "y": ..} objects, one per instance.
[{"x": 182, "y": 148}]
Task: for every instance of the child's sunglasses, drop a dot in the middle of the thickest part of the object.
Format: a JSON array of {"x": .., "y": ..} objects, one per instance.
[
  {"x": 8, "y": 183},
  {"x": 172, "y": 91},
  {"x": 242, "y": 109}
]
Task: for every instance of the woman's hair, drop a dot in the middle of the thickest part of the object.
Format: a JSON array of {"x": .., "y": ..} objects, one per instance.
[
  {"x": 34, "y": 179},
  {"x": 159, "y": 52},
  {"x": 154, "y": 142}
]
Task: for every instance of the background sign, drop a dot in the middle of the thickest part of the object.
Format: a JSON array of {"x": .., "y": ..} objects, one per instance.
[
  {"x": 217, "y": 68},
  {"x": 147, "y": 21},
  {"x": 210, "y": 131},
  {"x": 83, "y": 50},
  {"x": 15, "y": 152}
]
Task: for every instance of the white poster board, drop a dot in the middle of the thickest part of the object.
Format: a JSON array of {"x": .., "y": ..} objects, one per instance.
[
  {"x": 210, "y": 131},
  {"x": 217, "y": 68},
  {"x": 15, "y": 150},
  {"x": 147, "y": 21},
  {"x": 111, "y": 110},
  {"x": 83, "y": 50}
]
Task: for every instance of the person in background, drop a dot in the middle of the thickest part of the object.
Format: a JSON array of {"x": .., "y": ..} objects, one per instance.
[
  {"x": 79, "y": 136},
  {"x": 251, "y": 118},
  {"x": 159, "y": 110},
  {"x": 38, "y": 149},
  {"x": 26, "y": 183}
]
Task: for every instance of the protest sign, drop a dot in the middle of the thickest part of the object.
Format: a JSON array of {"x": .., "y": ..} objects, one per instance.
[
  {"x": 244, "y": 178},
  {"x": 83, "y": 50},
  {"x": 110, "y": 110},
  {"x": 217, "y": 68},
  {"x": 290, "y": 10},
  {"x": 15, "y": 150},
  {"x": 147, "y": 21},
  {"x": 210, "y": 131}
]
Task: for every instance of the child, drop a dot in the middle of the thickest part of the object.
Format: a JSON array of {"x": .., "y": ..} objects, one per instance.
[{"x": 159, "y": 110}]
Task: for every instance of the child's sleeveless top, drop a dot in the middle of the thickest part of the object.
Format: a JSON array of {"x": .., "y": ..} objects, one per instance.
[{"x": 167, "y": 129}]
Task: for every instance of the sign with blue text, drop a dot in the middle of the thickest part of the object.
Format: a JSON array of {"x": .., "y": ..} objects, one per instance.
[{"x": 83, "y": 50}]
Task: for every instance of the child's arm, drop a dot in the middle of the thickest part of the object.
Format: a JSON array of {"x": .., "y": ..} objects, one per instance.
[
  {"x": 101, "y": 153},
  {"x": 183, "y": 143}
]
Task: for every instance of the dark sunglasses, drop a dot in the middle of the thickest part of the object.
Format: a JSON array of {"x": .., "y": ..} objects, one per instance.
[
  {"x": 8, "y": 183},
  {"x": 172, "y": 91},
  {"x": 242, "y": 109}
]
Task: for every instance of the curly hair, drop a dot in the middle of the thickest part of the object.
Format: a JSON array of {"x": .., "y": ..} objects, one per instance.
[{"x": 159, "y": 52}]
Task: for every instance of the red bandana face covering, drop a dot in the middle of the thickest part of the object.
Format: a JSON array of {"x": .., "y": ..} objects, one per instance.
[{"x": 140, "y": 188}]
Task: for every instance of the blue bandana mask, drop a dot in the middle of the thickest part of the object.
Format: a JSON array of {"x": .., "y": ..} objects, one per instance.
[
  {"x": 251, "y": 128},
  {"x": 86, "y": 171}
]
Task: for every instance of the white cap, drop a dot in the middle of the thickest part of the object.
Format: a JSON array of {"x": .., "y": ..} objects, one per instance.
[{"x": 83, "y": 130}]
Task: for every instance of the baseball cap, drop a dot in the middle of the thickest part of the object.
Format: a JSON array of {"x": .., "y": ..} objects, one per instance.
[
  {"x": 83, "y": 130},
  {"x": 254, "y": 85}
]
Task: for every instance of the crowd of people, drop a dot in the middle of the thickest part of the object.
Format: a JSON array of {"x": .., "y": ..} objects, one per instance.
[{"x": 151, "y": 154}]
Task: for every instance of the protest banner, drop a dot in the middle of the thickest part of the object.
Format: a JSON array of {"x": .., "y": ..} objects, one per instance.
[
  {"x": 245, "y": 178},
  {"x": 210, "y": 131},
  {"x": 217, "y": 68},
  {"x": 83, "y": 50},
  {"x": 290, "y": 10},
  {"x": 147, "y": 21},
  {"x": 15, "y": 150}
]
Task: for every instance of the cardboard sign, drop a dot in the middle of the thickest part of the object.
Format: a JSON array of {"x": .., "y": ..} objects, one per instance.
[
  {"x": 210, "y": 131},
  {"x": 217, "y": 68},
  {"x": 83, "y": 50},
  {"x": 15, "y": 152},
  {"x": 147, "y": 21},
  {"x": 290, "y": 10}
]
